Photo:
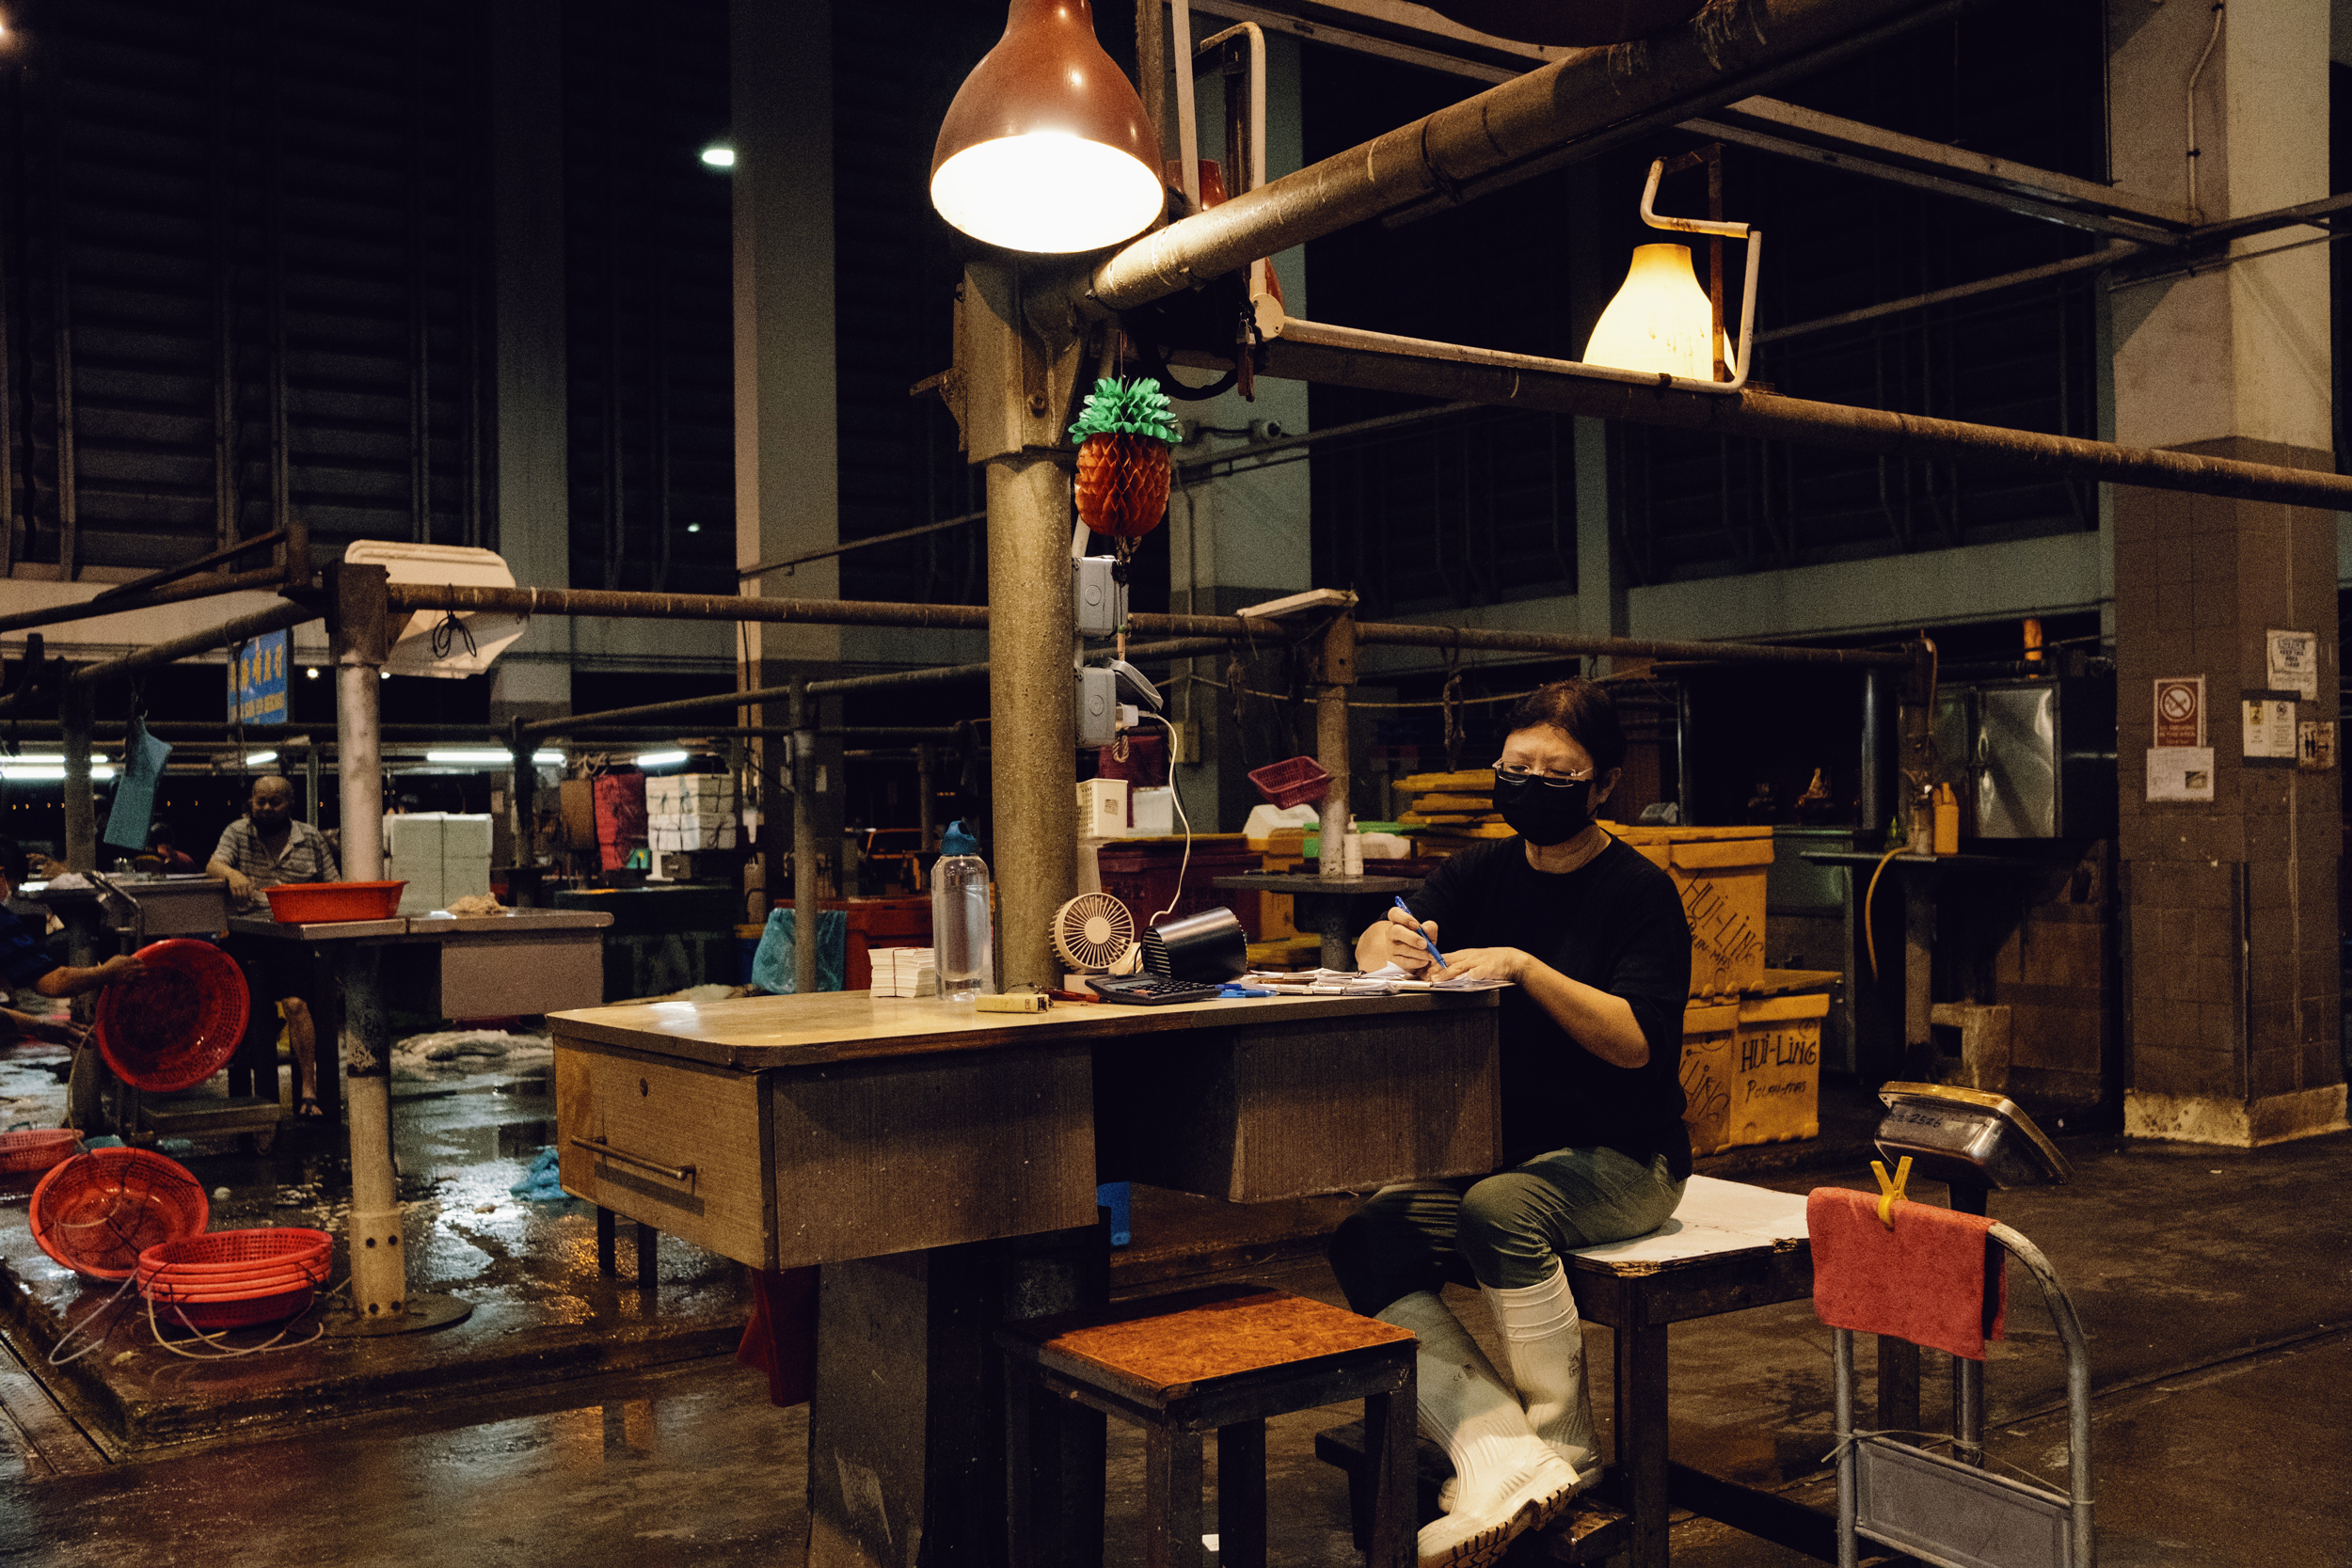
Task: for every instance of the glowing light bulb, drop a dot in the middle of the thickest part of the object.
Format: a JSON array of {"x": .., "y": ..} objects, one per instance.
[{"x": 1660, "y": 321}]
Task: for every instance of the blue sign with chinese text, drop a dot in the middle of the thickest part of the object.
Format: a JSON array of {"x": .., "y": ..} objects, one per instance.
[{"x": 257, "y": 680}]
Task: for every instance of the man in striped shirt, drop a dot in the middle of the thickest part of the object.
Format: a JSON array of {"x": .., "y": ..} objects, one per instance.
[{"x": 266, "y": 847}]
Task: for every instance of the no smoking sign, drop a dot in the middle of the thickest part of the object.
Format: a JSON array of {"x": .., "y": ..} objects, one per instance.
[{"x": 2181, "y": 710}]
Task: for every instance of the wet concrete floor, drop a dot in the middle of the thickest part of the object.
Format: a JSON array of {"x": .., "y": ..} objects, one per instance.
[{"x": 2216, "y": 1286}]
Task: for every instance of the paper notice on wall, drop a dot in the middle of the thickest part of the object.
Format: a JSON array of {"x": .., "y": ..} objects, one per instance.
[
  {"x": 2180, "y": 710},
  {"x": 2180, "y": 772},
  {"x": 2295, "y": 662},
  {"x": 2316, "y": 745},
  {"x": 2270, "y": 737}
]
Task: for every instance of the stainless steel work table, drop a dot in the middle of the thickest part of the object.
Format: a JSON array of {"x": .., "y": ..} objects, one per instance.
[{"x": 939, "y": 1163}]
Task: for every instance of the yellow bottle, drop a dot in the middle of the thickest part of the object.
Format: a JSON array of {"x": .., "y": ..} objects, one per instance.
[{"x": 1947, "y": 820}]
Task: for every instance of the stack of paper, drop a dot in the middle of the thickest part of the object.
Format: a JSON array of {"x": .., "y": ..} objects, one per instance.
[
  {"x": 690, "y": 811},
  {"x": 904, "y": 972}
]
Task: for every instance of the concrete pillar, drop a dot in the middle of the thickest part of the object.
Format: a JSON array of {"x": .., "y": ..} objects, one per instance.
[
  {"x": 1238, "y": 541},
  {"x": 532, "y": 679},
  {"x": 2229, "y": 938},
  {"x": 786, "y": 467}
]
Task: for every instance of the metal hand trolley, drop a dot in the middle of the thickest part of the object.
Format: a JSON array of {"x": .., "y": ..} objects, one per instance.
[{"x": 1951, "y": 1512}]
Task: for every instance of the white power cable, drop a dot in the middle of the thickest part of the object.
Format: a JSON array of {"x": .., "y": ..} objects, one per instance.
[{"x": 1176, "y": 799}]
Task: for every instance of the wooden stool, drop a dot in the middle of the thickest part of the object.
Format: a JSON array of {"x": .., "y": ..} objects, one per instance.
[{"x": 1221, "y": 1358}]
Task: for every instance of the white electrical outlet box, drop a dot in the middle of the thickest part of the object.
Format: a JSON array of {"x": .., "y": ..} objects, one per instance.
[
  {"x": 1100, "y": 599},
  {"x": 1098, "y": 708}
]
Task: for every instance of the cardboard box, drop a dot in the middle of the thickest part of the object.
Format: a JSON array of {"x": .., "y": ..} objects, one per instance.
[
  {"x": 1752, "y": 1071},
  {"x": 1719, "y": 873}
]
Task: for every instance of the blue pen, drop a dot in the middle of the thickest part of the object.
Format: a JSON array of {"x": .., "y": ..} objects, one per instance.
[{"x": 1423, "y": 935}]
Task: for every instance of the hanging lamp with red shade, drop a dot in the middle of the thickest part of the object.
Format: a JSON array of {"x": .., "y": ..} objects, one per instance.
[{"x": 1046, "y": 148}]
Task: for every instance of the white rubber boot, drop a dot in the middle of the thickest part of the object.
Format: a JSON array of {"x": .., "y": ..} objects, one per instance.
[
  {"x": 1545, "y": 1346},
  {"x": 1508, "y": 1479}
]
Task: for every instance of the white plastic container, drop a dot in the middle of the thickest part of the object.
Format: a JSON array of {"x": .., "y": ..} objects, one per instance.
[{"x": 962, "y": 938}]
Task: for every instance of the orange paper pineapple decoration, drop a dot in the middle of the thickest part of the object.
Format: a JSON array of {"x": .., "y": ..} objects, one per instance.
[{"x": 1125, "y": 436}]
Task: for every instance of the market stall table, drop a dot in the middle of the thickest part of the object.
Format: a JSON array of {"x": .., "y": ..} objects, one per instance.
[
  {"x": 940, "y": 1163},
  {"x": 520, "y": 962}
]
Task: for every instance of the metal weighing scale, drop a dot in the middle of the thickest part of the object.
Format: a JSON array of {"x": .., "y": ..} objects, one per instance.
[{"x": 1948, "y": 1511}]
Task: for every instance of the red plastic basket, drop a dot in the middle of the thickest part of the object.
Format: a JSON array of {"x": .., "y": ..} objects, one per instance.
[
  {"x": 236, "y": 1261},
  {"x": 36, "y": 1148},
  {"x": 97, "y": 1212},
  {"x": 224, "y": 1252},
  {"x": 179, "y": 1025},
  {"x": 1297, "y": 783},
  {"x": 310, "y": 903},
  {"x": 243, "y": 1313}
]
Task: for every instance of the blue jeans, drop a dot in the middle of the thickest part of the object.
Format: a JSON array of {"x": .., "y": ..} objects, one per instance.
[{"x": 1504, "y": 1230}]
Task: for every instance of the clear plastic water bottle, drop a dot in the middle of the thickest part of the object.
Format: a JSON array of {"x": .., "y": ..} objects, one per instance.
[{"x": 961, "y": 937}]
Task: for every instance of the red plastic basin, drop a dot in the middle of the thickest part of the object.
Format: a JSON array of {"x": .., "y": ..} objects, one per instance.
[{"x": 316, "y": 903}]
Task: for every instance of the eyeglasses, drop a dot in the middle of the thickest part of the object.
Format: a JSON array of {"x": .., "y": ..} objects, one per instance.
[{"x": 1528, "y": 775}]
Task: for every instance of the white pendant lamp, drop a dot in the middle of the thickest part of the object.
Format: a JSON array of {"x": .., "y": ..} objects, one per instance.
[
  {"x": 1046, "y": 148},
  {"x": 1661, "y": 320}
]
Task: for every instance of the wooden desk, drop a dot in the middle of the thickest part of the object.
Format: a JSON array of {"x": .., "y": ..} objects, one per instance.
[{"x": 940, "y": 1163}]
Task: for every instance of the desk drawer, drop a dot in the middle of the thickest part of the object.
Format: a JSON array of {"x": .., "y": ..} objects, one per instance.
[{"x": 694, "y": 1139}]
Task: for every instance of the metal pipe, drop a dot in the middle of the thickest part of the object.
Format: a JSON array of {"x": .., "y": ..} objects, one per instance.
[
  {"x": 926, "y": 807},
  {"x": 522, "y": 786},
  {"x": 1336, "y": 671},
  {"x": 310, "y": 784},
  {"x": 208, "y": 587},
  {"x": 359, "y": 768},
  {"x": 621, "y": 604},
  {"x": 1709, "y": 61},
  {"x": 2106, "y": 257},
  {"x": 1878, "y": 754},
  {"x": 278, "y": 617},
  {"x": 81, "y": 809},
  {"x": 2069, "y": 1330},
  {"x": 1841, "y": 1379},
  {"x": 1217, "y": 630},
  {"x": 1032, "y": 764},
  {"x": 807, "y": 903},
  {"x": 1349, "y": 357},
  {"x": 943, "y": 524},
  {"x": 138, "y": 586},
  {"x": 379, "y": 1276}
]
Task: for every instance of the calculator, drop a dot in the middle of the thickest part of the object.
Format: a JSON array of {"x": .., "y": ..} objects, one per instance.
[{"x": 1151, "y": 990}]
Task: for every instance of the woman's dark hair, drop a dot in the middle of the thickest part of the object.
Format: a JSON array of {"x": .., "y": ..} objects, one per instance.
[
  {"x": 13, "y": 866},
  {"x": 162, "y": 833},
  {"x": 1582, "y": 710}
]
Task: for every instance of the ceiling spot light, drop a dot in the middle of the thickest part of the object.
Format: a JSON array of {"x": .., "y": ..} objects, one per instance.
[
  {"x": 309, "y": 671},
  {"x": 255, "y": 759},
  {"x": 694, "y": 527},
  {"x": 1046, "y": 148},
  {"x": 719, "y": 157},
  {"x": 660, "y": 759}
]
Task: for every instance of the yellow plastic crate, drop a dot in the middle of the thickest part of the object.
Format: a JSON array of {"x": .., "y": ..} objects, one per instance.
[
  {"x": 1719, "y": 874},
  {"x": 1752, "y": 1071}
]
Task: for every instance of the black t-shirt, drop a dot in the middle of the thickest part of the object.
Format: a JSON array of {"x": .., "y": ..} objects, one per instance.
[{"x": 1617, "y": 924}]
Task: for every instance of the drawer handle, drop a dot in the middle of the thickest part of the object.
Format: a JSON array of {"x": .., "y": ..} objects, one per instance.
[{"x": 598, "y": 1147}]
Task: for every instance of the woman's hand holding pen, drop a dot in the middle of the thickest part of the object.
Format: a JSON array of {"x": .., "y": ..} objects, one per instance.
[{"x": 1410, "y": 942}]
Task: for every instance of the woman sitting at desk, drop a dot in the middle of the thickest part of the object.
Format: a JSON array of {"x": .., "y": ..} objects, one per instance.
[{"x": 1595, "y": 940}]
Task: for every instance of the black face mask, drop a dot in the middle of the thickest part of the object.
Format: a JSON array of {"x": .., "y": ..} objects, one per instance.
[{"x": 1544, "y": 814}]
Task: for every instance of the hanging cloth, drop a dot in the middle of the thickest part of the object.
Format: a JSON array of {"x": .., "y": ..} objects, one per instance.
[{"x": 135, "y": 794}]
